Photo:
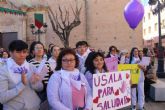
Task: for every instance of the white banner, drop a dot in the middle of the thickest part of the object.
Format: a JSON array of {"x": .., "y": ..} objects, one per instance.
[{"x": 111, "y": 91}]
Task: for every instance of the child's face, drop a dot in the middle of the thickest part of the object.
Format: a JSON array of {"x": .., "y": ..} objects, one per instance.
[
  {"x": 98, "y": 62},
  {"x": 136, "y": 53},
  {"x": 82, "y": 49},
  {"x": 19, "y": 56}
]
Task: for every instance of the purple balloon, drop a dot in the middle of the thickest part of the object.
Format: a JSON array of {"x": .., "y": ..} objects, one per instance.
[{"x": 133, "y": 13}]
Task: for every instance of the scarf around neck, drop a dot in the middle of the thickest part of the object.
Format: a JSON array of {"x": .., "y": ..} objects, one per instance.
[
  {"x": 13, "y": 67},
  {"x": 73, "y": 78}
]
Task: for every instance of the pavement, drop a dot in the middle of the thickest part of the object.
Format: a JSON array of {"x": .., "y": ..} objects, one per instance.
[{"x": 151, "y": 104}]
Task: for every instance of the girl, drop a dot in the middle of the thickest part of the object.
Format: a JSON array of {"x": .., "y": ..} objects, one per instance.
[
  {"x": 112, "y": 52},
  {"x": 135, "y": 59},
  {"x": 55, "y": 50},
  {"x": 94, "y": 64},
  {"x": 41, "y": 66}
]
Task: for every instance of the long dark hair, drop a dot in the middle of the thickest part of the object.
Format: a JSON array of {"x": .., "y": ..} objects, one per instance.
[
  {"x": 62, "y": 54},
  {"x": 131, "y": 54},
  {"x": 89, "y": 62},
  {"x": 110, "y": 50}
]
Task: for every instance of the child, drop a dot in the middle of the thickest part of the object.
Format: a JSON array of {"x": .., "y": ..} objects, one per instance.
[
  {"x": 135, "y": 59},
  {"x": 94, "y": 64}
]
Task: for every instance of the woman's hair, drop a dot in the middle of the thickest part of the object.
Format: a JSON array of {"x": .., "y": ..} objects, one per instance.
[
  {"x": 110, "y": 50},
  {"x": 50, "y": 45},
  {"x": 132, "y": 54},
  {"x": 89, "y": 62},
  {"x": 145, "y": 51},
  {"x": 64, "y": 52}
]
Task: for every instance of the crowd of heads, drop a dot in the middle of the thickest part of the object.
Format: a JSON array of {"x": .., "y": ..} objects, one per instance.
[
  {"x": 37, "y": 49},
  {"x": 82, "y": 58}
]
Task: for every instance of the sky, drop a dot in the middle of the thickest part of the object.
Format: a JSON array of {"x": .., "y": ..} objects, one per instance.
[{"x": 144, "y": 2}]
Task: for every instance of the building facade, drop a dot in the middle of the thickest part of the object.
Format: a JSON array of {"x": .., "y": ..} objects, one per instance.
[
  {"x": 150, "y": 27},
  {"x": 102, "y": 24}
]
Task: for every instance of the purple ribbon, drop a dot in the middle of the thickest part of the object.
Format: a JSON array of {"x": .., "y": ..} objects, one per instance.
[
  {"x": 4, "y": 60},
  {"x": 77, "y": 78},
  {"x": 20, "y": 70}
]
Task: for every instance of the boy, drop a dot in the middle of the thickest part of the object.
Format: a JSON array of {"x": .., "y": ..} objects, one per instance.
[
  {"x": 15, "y": 90},
  {"x": 82, "y": 53}
]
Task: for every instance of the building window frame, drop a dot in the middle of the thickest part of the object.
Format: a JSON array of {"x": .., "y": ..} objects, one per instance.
[
  {"x": 149, "y": 16},
  {"x": 156, "y": 26}
]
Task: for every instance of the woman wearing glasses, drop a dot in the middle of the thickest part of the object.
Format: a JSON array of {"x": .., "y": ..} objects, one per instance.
[
  {"x": 67, "y": 88},
  {"x": 113, "y": 52},
  {"x": 41, "y": 69}
]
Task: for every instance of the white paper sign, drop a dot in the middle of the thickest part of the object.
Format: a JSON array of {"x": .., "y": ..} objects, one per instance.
[
  {"x": 111, "y": 91},
  {"x": 145, "y": 61}
]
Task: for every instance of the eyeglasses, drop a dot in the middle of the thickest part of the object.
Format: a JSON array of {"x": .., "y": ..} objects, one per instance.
[
  {"x": 68, "y": 60},
  {"x": 38, "y": 48},
  {"x": 113, "y": 49}
]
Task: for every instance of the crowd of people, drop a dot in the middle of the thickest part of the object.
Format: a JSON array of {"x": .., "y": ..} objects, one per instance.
[{"x": 61, "y": 79}]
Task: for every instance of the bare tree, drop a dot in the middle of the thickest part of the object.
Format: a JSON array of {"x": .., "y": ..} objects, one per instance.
[
  {"x": 61, "y": 23},
  {"x": 157, "y": 8}
]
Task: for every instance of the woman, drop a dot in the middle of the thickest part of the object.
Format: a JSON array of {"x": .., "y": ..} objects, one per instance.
[
  {"x": 94, "y": 64},
  {"x": 31, "y": 53},
  {"x": 5, "y": 56},
  {"x": 135, "y": 59},
  {"x": 41, "y": 67},
  {"x": 112, "y": 52},
  {"x": 68, "y": 89},
  {"x": 49, "y": 50},
  {"x": 55, "y": 50},
  {"x": 150, "y": 74}
]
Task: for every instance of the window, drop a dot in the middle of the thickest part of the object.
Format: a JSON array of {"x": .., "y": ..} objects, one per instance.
[
  {"x": 149, "y": 16},
  {"x": 163, "y": 23},
  {"x": 144, "y": 19},
  {"x": 149, "y": 29},
  {"x": 156, "y": 27},
  {"x": 144, "y": 32}
]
